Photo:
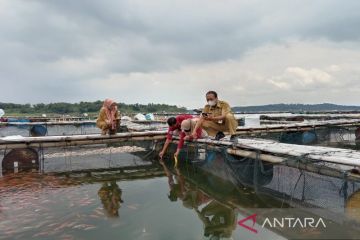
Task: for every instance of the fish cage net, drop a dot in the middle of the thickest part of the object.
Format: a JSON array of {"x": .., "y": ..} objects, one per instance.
[
  {"x": 337, "y": 136},
  {"x": 297, "y": 182},
  {"x": 72, "y": 129},
  {"x": 51, "y": 130},
  {"x": 77, "y": 158}
]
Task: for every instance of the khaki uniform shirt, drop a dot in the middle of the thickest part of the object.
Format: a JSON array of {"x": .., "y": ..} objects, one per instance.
[{"x": 220, "y": 109}]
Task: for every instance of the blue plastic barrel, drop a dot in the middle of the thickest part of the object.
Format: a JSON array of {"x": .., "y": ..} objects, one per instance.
[
  {"x": 20, "y": 120},
  {"x": 149, "y": 117},
  {"x": 38, "y": 131},
  {"x": 357, "y": 133},
  {"x": 303, "y": 138},
  {"x": 291, "y": 137},
  {"x": 309, "y": 137}
]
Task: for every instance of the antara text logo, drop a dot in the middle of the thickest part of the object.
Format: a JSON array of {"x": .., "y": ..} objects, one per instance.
[{"x": 286, "y": 222}]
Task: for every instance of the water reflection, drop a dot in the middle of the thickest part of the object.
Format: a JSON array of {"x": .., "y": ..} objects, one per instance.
[
  {"x": 200, "y": 200},
  {"x": 219, "y": 220},
  {"x": 219, "y": 187},
  {"x": 176, "y": 183},
  {"x": 110, "y": 196}
]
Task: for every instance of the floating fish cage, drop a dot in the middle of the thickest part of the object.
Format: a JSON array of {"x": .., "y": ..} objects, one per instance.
[
  {"x": 276, "y": 175},
  {"x": 243, "y": 187},
  {"x": 335, "y": 136},
  {"x": 76, "y": 158},
  {"x": 39, "y": 129},
  {"x": 296, "y": 182}
]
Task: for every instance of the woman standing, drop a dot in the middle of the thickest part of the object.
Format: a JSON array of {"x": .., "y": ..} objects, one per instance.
[{"x": 108, "y": 120}]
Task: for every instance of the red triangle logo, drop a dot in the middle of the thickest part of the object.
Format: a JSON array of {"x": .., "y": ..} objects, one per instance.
[{"x": 253, "y": 218}]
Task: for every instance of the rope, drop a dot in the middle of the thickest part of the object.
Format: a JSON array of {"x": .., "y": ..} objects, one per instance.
[{"x": 344, "y": 188}]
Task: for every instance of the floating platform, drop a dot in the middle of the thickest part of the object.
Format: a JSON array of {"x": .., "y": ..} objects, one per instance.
[
  {"x": 48, "y": 118},
  {"x": 78, "y": 140},
  {"x": 265, "y": 150},
  {"x": 312, "y": 116},
  {"x": 295, "y": 127},
  {"x": 74, "y": 123},
  {"x": 283, "y": 127},
  {"x": 53, "y": 123}
]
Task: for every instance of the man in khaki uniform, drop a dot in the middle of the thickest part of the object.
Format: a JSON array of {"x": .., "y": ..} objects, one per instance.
[{"x": 217, "y": 117}]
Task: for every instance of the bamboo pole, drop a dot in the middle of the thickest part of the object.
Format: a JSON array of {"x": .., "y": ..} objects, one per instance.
[
  {"x": 312, "y": 116},
  {"x": 77, "y": 140},
  {"x": 149, "y": 121},
  {"x": 93, "y": 177},
  {"x": 304, "y": 126},
  {"x": 254, "y": 155},
  {"x": 60, "y": 123}
]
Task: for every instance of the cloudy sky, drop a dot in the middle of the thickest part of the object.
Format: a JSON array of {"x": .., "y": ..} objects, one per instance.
[{"x": 172, "y": 51}]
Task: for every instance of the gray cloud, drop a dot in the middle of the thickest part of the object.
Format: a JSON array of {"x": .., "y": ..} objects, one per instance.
[{"x": 67, "y": 50}]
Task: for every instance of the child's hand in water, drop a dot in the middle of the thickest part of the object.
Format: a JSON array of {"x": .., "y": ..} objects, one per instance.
[{"x": 177, "y": 153}]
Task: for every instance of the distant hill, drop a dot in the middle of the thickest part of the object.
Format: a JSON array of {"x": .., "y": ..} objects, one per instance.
[{"x": 324, "y": 107}]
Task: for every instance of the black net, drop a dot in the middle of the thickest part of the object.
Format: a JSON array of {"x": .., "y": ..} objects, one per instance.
[{"x": 298, "y": 182}]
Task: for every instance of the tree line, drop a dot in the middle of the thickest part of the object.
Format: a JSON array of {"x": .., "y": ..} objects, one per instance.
[{"x": 86, "y": 107}]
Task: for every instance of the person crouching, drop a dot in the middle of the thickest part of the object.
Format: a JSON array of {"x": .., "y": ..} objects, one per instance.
[
  {"x": 108, "y": 120},
  {"x": 217, "y": 118},
  {"x": 174, "y": 130},
  {"x": 188, "y": 134}
]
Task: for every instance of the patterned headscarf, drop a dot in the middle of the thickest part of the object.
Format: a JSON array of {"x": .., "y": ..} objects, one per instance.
[{"x": 110, "y": 113}]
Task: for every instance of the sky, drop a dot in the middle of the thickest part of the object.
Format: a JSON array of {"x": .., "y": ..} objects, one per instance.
[{"x": 251, "y": 52}]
